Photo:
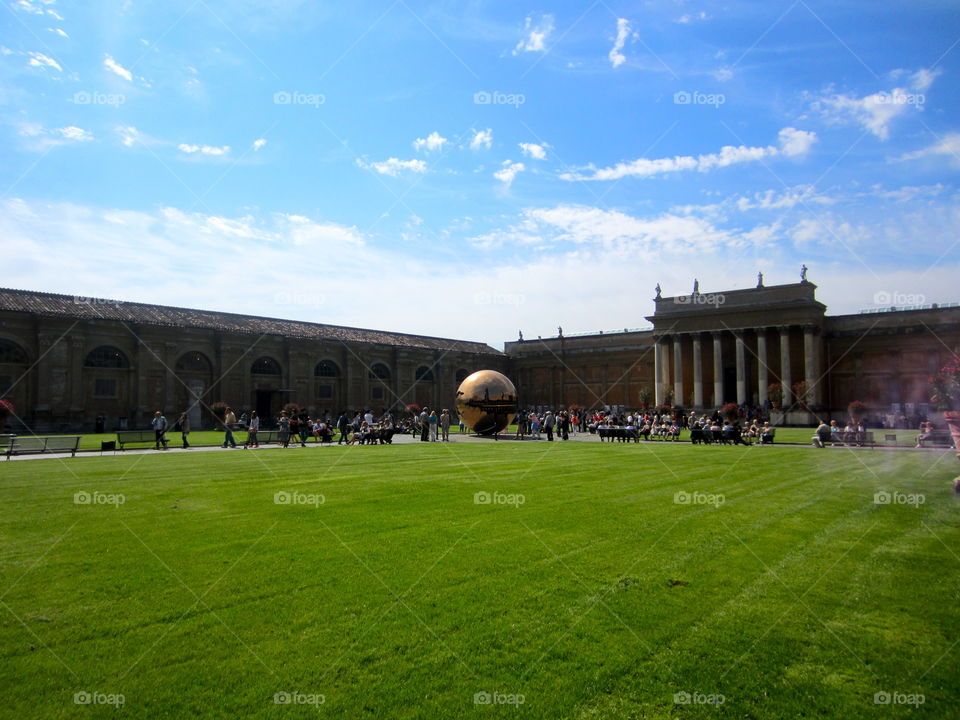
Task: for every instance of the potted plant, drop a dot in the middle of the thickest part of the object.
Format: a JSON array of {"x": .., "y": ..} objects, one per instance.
[
  {"x": 857, "y": 411},
  {"x": 645, "y": 397},
  {"x": 6, "y": 410},
  {"x": 731, "y": 412},
  {"x": 800, "y": 393},
  {"x": 946, "y": 397},
  {"x": 775, "y": 395}
]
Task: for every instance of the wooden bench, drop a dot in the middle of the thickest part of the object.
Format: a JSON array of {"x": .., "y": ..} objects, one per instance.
[
  {"x": 30, "y": 444},
  {"x": 859, "y": 439},
  {"x": 937, "y": 438},
  {"x": 265, "y": 437},
  {"x": 131, "y": 437},
  {"x": 621, "y": 434}
]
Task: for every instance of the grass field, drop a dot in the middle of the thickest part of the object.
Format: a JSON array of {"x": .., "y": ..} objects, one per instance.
[{"x": 381, "y": 585}]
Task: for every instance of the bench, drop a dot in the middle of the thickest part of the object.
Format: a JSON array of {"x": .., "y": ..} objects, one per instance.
[
  {"x": 130, "y": 437},
  {"x": 265, "y": 437},
  {"x": 30, "y": 444},
  {"x": 621, "y": 434},
  {"x": 937, "y": 438},
  {"x": 859, "y": 439}
]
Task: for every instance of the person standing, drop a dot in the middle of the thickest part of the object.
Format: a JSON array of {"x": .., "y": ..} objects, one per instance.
[
  {"x": 283, "y": 425},
  {"x": 445, "y": 425},
  {"x": 252, "y": 430},
  {"x": 159, "y": 424},
  {"x": 294, "y": 426},
  {"x": 433, "y": 425},
  {"x": 548, "y": 424},
  {"x": 342, "y": 426},
  {"x": 229, "y": 419},
  {"x": 184, "y": 423},
  {"x": 424, "y": 426},
  {"x": 304, "y": 428}
]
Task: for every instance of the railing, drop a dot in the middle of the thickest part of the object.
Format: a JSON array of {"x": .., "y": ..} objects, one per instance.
[{"x": 902, "y": 308}]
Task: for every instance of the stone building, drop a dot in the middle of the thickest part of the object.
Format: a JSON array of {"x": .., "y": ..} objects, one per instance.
[
  {"x": 66, "y": 361},
  {"x": 707, "y": 349}
]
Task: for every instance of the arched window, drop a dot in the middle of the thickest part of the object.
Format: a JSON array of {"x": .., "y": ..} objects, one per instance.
[
  {"x": 424, "y": 373},
  {"x": 379, "y": 371},
  {"x": 106, "y": 356},
  {"x": 265, "y": 366},
  {"x": 462, "y": 375},
  {"x": 10, "y": 352},
  {"x": 326, "y": 368},
  {"x": 193, "y": 362}
]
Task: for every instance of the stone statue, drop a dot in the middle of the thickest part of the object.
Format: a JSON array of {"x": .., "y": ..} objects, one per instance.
[
  {"x": 759, "y": 279},
  {"x": 521, "y": 335},
  {"x": 696, "y": 286},
  {"x": 803, "y": 273},
  {"x": 658, "y": 292},
  {"x": 559, "y": 331}
]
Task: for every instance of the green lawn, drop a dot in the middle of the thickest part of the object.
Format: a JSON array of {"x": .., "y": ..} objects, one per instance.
[{"x": 396, "y": 595}]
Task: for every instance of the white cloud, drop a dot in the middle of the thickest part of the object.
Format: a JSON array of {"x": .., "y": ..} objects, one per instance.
[
  {"x": 40, "y": 60},
  {"x": 203, "y": 149},
  {"x": 508, "y": 172},
  {"x": 722, "y": 74},
  {"x": 128, "y": 134},
  {"x": 773, "y": 200},
  {"x": 59, "y": 32},
  {"x": 40, "y": 138},
  {"x": 110, "y": 64},
  {"x": 617, "y": 58},
  {"x": 481, "y": 139},
  {"x": 537, "y": 152},
  {"x": 393, "y": 166},
  {"x": 876, "y": 112},
  {"x": 949, "y": 145},
  {"x": 433, "y": 141},
  {"x": 535, "y": 35},
  {"x": 688, "y": 18},
  {"x": 37, "y": 7},
  {"x": 793, "y": 143},
  {"x": 75, "y": 134},
  {"x": 259, "y": 143}
]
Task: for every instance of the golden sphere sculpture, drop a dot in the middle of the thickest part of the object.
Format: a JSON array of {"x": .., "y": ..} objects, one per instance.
[{"x": 487, "y": 402}]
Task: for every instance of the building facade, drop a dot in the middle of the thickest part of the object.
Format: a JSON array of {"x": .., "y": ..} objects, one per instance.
[{"x": 65, "y": 362}]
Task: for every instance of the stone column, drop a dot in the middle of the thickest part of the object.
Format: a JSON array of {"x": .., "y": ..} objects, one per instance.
[
  {"x": 741, "y": 368},
  {"x": 718, "y": 367},
  {"x": 678, "y": 370},
  {"x": 785, "y": 378},
  {"x": 657, "y": 373},
  {"x": 697, "y": 373},
  {"x": 809, "y": 363},
  {"x": 763, "y": 379}
]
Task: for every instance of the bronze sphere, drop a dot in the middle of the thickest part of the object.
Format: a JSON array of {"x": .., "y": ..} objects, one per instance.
[{"x": 487, "y": 402}]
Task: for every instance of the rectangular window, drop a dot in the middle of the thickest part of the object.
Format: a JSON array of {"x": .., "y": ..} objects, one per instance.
[
  {"x": 378, "y": 392},
  {"x": 324, "y": 391},
  {"x": 105, "y": 388}
]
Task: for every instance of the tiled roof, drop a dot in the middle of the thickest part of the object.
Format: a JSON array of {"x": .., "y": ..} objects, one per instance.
[{"x": 71, "y": 307}]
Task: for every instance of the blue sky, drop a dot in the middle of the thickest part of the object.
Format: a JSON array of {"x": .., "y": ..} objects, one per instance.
[{"x": 469, "y": 169}]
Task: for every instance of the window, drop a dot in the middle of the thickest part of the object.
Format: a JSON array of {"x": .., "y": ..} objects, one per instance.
[
  {"x": 265, "y": 366},
  {"x": 326, "y": 368},
  {"x": 377, "y": 392},
  {"x": 324, "y": 392},
  {"x": 424, "y": 373},
  {"x": 107, "y": 356},
  {"x": 5, "y": 383},
  {"x": 462, "y": 375},
  {"x": 193, "y": 362},
  {"x": 10, "y": 352},
  {"x": 105, "y": 388},
  {"x": 379, "y": 372}
]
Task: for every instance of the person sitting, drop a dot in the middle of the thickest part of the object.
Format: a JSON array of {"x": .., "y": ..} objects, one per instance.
[
  {"x": 766, "y": 434},
  {"x": 926, "y": 432},
  {"x": 727, "y": 434},
  {"x": 822, "y": 435}
]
